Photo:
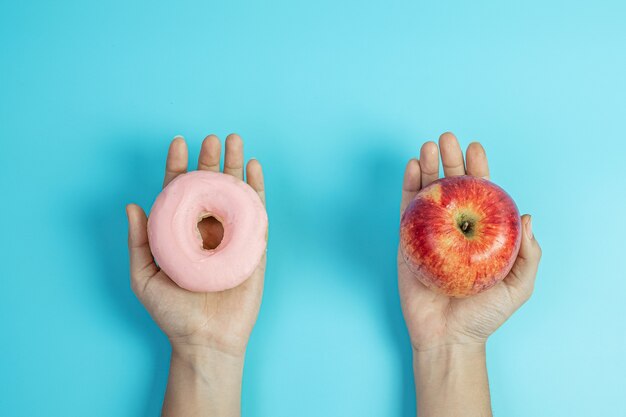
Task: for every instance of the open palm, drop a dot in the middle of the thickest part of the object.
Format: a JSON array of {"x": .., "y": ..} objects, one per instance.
[
  {"x": 433, "y": 319},
  {"x": 218, "y": 320}
]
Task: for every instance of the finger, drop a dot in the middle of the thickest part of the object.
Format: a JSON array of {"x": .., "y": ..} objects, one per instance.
[
  {"x": 233, "y": 158},
  {"x": 451, "y": 155},
  {"x": 521, "y": 279},
  {"x": 411, "y": 184},
  {"x": 254, "y": 176},
  {"x": 209, "y": 159},
  {"x": 142, "y": 264},
  {"x": 477, "y": 161},
  {"x": 429, "y": 163},
  {"x": 176, "y": 163}
]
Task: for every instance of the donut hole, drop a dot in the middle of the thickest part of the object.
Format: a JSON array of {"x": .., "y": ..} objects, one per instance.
[{"x": 212, "y": 232}]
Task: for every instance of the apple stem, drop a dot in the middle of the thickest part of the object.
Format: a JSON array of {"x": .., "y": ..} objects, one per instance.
[{"x": 465, "y": 226}]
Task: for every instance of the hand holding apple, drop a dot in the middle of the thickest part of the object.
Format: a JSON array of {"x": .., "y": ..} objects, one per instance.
[{"x": 496, "y": 278}]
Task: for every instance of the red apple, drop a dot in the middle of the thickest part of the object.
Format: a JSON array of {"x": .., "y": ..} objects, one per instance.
[{"x": 460, "y": 235}]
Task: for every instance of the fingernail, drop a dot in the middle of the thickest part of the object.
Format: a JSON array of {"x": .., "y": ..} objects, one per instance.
[
  {"x": 178, "y": 137},
  {"x": 529, "y": 227}
]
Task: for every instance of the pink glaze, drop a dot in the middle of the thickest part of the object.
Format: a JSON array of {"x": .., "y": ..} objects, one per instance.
[{"x": 176, "y": 242}]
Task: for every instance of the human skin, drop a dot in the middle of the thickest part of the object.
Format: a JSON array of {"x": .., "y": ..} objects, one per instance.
[
  {"x": 448, "y": 335},
  {"x": 208, "y": 332}
]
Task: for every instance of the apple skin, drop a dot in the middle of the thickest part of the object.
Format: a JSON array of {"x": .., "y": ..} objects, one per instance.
[{"x": 460, "y": 235}]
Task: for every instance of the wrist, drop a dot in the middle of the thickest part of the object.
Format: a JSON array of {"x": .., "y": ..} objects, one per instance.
[
  {"x": 445, "y": 360},
  {"x": 203, "y": 381},
  {"x": 452, "y": 379},
  {"x": 204, "y": 357},
  {"x": 450, "y": 351},
  {"x": 202, "y": 345},
  {"x": 207, "y": 368}
]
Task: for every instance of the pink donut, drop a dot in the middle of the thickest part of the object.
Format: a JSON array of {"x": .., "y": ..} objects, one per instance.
[{"x": 176, "y": 242}]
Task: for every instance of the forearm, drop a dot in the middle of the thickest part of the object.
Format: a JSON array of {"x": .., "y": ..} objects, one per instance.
[
  {"x": 452, "y": 381},
  {"x": 203, "y": 382}
]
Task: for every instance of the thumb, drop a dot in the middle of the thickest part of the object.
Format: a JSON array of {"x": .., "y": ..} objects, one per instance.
[
  {"x": 142, "y": 264},
  {"x": 521, "y": 278}
]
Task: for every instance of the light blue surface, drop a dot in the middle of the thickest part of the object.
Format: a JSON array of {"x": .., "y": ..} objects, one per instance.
[{"x": 333, "y": 98}]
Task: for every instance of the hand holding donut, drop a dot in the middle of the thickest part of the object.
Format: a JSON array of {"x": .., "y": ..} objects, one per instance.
[{"x": 218, "y": 321}]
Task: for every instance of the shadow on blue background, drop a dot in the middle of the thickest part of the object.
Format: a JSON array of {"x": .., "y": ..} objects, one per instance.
[
  {"x": 105, "y": 219},
  {"x": 370, "y": 243}
]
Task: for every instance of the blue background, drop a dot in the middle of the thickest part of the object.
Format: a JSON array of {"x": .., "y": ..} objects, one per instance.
[{"x": 333, "y": 98}]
